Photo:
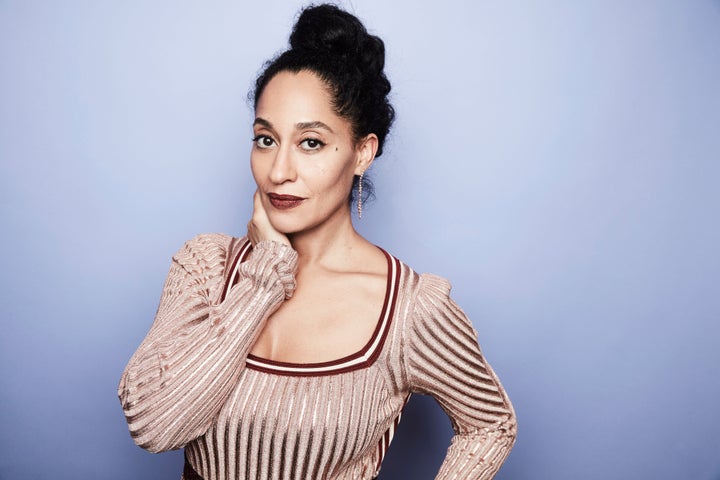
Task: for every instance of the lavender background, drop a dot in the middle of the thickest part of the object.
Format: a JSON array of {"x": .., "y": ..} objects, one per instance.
[{"x": 558, "y": 161}]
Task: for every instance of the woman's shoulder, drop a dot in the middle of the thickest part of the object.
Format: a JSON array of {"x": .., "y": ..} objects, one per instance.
[{"x": 415, "y": 284}]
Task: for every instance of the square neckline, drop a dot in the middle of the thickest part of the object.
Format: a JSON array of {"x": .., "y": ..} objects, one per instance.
[{"x": 362, "y": 358}]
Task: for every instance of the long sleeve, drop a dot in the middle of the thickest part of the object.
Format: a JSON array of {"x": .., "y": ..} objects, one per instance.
[
  {"x": 179, "y": 378},
  {"x": 443, "y": 359}
]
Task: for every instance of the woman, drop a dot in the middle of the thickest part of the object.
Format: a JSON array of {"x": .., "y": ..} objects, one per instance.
[{"x": 291, "y": 353}]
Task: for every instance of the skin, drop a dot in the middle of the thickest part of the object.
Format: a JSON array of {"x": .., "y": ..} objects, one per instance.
[{"x": 303, "y": 148}]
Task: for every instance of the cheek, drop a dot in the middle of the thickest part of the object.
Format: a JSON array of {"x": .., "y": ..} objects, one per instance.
[
  {"x": 256, "y": 169},
  {"x": 330, "y": 181}
]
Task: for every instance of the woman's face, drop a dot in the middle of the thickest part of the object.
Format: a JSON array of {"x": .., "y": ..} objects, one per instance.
[{"x": 304, "y": 155}]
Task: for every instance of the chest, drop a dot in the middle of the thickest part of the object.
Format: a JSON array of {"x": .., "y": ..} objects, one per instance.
[
  {"x": 326, "y": 319},
  {"x": 306, "y": 403},
  {"x": 330, "y": 423}
]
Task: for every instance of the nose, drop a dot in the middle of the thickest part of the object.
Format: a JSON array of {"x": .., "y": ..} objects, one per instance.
[{"x": 283, "y": 166}]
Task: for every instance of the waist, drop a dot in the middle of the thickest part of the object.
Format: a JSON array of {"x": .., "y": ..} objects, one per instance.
[{"x": 189, "y": 472}]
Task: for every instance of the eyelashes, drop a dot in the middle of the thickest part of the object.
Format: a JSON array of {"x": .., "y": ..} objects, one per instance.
[
  {"x": 312, "y": 144},
  {"x": 263, "y": 141},
  {"x": 309, "y": 144}
]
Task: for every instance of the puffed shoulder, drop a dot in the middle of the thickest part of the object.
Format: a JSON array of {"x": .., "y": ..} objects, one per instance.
[
  {"x": 434, "y": 285},
  {"x": 437, "y": 317},
  {"x": 433, "y": 300}
]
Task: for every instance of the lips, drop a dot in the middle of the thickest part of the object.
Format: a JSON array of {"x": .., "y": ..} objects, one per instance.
[{"x": 284, "y": 202}]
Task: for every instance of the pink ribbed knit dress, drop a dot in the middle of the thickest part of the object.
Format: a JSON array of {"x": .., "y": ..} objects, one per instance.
[{"x": 193, "y": 384}]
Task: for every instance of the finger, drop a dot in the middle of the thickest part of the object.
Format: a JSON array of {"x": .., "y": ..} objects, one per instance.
[
  {"x": 252, "y": 224},
  {"x": 259, "y": 216},
  {"x": 257, "y": 202},
  {"x": 251, "y": 233},
  {"x": 260, "y": 228}
]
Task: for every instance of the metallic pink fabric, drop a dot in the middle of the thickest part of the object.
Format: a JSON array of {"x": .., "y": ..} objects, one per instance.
[{"x": 192, "y": 384}]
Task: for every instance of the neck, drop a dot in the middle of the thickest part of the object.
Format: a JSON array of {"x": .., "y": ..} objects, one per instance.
[{"x": 329, "y": 243}]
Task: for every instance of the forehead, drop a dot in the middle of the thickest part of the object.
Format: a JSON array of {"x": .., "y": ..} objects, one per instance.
[{"x": 290, "y": 98}]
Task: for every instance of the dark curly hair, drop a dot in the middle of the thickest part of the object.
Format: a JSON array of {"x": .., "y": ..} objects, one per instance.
[{"x": 335, "y": 45}]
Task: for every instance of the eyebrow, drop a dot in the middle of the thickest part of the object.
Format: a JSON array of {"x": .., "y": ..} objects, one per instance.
[
  {"x": 315, "y": 124},
  {"x": 263, "y": 123},
  {"x": 300, "y": 126}
]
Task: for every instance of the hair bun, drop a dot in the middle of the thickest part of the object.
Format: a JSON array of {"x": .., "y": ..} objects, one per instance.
[
  {"x": 335, "y": 46},
  {"x": 327, "y": 30}
]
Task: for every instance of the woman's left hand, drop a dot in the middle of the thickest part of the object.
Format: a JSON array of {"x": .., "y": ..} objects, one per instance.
[{"x": 259, "y": 227}]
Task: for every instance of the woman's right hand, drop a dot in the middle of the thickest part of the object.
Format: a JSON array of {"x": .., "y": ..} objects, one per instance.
[{"x": 259, "y": 227}]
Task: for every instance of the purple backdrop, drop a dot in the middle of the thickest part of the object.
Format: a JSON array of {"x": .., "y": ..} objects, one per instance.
[{"x": 558, "y": 161}]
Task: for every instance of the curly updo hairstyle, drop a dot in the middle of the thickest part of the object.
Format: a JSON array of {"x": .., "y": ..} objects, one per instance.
[{"x": 335, "y": 46}]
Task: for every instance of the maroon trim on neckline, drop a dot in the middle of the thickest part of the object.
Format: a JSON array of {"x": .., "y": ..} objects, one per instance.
[{"x": 381, "y": 330}]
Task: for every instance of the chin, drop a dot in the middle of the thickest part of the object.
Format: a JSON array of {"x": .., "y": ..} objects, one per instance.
[{"x": 286, "y": 224}]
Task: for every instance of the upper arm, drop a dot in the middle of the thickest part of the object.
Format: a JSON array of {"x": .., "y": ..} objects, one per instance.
[{"x": 444, "y": 360}]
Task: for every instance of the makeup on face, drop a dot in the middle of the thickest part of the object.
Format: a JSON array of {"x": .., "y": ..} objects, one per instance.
[
  {"x": 303, "y": 156},
  {"x": 284, "y": 202}
]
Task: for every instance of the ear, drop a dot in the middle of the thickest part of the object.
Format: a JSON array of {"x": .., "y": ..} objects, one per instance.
[{"x": 366, "y": 150}]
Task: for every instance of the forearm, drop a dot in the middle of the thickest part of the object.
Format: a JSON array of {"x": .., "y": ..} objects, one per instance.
[
  {"x": 177, "y": 381},
  {"x": 478, "y": 455}
]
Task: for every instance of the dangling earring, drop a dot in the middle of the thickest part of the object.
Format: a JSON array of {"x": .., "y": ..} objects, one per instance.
[{"x": 360, "y": 182}]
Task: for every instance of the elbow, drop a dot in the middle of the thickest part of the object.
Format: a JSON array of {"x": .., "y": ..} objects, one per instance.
[
  {"x": 507, "y": 429},
  {"x": 149, "y": 431},
  {"x": 153, "y": 440},
  {"x": 506, "y": 424},
  {"x": 153, "y": 445},
  {"x": 159, "y": 431}
]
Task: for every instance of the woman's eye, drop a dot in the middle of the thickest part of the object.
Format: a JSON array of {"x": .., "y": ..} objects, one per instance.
[
  {"x": 311, "y": 144},
  {"x": 263, "y": 141}
]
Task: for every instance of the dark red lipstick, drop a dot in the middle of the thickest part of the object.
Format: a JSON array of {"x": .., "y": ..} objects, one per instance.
[{"x": 284, "y": 202}]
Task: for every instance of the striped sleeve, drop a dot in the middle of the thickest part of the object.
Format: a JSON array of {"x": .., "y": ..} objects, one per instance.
[
  {"x": 179, "y": 378},
  {"x": 444, "y": 360}
]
